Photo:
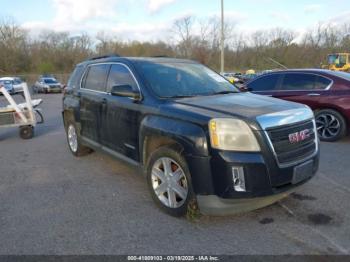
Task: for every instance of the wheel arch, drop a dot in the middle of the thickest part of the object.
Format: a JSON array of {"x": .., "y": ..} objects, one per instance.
[
  {"x": 157, "y": 131},
  {"x": 70, "y": 110}
]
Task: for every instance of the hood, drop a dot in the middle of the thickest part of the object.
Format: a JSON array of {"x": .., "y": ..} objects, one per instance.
[{"x": 267, "y": 111}]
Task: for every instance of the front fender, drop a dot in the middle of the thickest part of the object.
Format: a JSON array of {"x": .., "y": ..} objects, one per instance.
[
  {"x": 190, "y": 136},
  {"x": 194, "y": 142}
]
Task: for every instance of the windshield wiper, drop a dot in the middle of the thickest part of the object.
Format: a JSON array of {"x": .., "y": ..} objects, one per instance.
[
  {"x": 184, "y": 96},
  {"x": 225, "y": 92}
]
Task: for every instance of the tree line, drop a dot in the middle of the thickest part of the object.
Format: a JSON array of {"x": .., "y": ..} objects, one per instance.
[{"x": 58, "y": 52}]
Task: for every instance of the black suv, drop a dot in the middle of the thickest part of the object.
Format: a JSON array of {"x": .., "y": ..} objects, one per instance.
[{"x": 195, "y": 136}]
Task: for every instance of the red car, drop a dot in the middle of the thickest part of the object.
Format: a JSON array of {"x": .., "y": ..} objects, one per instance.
[{"x": 326, "y": 92}]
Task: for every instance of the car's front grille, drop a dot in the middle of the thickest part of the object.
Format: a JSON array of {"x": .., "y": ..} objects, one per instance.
[{"x": 289, "y": 150}]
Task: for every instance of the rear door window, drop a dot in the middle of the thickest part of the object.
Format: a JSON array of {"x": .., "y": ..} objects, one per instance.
[
  {"x": 322, "y": 83},
  {"x": 120, "y": 75},
  {"x": 264, "y": 83},
  {"x": 96, "y": 78},
  {"x": 296, "y": 81}
]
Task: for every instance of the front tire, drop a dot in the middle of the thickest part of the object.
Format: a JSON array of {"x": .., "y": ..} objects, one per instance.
[
  {"x": 74, "y": 141},
  {"x": 169, "y": 181},
  {"x": 331, "y": 125}
]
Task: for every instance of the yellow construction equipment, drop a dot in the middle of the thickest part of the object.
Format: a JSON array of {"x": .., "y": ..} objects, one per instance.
[{"x": 339, "y": 62}]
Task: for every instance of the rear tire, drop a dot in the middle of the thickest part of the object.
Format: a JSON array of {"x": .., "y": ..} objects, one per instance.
[
  {"x": 26, "y": 132},
  {"x": 331, "y": 125},
  {"x": 74, "y": 140},
  {"x": 169, "y": 181}
]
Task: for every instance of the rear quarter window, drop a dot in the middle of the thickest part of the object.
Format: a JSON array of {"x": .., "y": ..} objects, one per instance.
[
  {"x": 75, "y": 77},
  {"x": 322, "y": 82}
]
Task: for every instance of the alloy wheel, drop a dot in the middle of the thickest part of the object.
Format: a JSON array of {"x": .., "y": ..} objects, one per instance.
[
  {"x": 169, "y": 182},
  {"x": 328, "y": 126},
  {"x": 72, "y": 138}
]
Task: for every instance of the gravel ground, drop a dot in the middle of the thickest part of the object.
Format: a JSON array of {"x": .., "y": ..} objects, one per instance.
[{"x": 53, "y": 203}]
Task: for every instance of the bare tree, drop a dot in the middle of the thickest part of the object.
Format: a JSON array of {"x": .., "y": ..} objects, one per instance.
[
  {"x": 13, "y": 46},
  {"x": 183, "y": 30}
]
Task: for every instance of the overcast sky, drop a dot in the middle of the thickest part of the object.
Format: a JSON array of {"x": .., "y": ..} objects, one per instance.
[{"x": 151, "y": 19}]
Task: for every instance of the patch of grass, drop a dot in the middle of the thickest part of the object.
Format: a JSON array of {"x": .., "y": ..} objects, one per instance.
[{"x": 193, "y": 213}]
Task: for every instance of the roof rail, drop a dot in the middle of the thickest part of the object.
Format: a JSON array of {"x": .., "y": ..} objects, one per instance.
[
  {"x": 103, "y": 56},
  {"x": 160, "y": 56}
]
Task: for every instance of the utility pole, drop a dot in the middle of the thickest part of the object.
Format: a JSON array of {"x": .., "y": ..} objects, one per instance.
[{"x": 222, "y": 38}]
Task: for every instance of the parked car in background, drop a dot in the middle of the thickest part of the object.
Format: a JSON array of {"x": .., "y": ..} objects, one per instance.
[
  {"x": 326, "y": 92},
  {"x": 194, "y": 135},
  {"x": 47, "y": 85},
  {"x": 244, "y": 78},
  {"x": 16, "y": 82},
  {"x": 231, "y": 77},
  {"x": 8, "y": 86}
]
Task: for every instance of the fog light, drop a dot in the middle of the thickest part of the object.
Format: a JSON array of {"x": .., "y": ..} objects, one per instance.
[{"x": 238, "y": 179}]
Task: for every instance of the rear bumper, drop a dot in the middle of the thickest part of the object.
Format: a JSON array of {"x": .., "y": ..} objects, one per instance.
[{"x": 215, "y": 206}]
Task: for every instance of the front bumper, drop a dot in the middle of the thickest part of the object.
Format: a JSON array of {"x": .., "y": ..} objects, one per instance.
[
  {"x": 266, "y": 182},
  {"x": 213, "y": 205}
]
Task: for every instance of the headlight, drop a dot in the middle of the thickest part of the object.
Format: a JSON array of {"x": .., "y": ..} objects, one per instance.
[{"x": 232, "y": 135}]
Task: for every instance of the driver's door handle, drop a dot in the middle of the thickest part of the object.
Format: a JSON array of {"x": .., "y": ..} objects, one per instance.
[{"x": 314, "y": 94}]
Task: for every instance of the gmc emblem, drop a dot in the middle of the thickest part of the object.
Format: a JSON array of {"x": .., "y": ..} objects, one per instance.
[{"x": 299, "y": 136}]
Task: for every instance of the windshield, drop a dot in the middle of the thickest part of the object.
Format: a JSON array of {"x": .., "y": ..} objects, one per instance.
[
  {"x": 170, "y": 80},
  {"x": 50, "y": 81},
  {"x": 337, "y": 59},
  {"x": 5, "y": 82},
  {"x": 332, "y": 59}
]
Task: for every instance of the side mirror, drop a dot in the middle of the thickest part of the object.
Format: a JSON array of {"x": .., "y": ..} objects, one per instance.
[{"x": 125, "y": 91}]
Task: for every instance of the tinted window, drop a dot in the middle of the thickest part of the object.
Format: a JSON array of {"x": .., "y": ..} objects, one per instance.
[
  {"x": 322, "y": 82},
  {"x": 17, "y": 81},
  {"x": 264, "y": 83},
  {"x": 298, "y": 82},
  {"x": 96, "y": 78},
  {"x": 120, "y": 75},
  {"x": 74, "y": 79}
]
